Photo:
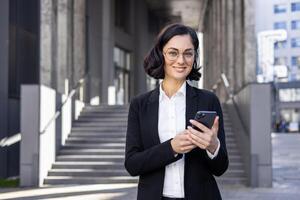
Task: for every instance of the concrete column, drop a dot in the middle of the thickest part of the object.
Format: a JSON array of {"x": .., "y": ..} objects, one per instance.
[
  {"x": 107, "y": 42},
  {"x": 4, "y": 66},
  {"x": 63, "y": 32},
  {"x": 94, "y": 49},
  {"x": 249, "y": 41},
  {"x": 238, "y": 44},
  {"x": 138, "y": 75},
  {"x": 47, "y": 43},
  {"x": 79, "y": 30},
  {"x": 230, "y": 46}
]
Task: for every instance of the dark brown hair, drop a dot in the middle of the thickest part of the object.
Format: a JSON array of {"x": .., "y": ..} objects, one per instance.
[{"x": 154, "y": 61}]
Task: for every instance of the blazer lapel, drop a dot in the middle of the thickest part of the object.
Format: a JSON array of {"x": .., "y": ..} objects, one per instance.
[
  {"x": 152, "y": 117},
  {"x": 191, "y": 104}
]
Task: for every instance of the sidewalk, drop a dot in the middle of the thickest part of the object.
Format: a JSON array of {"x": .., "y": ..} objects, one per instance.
[{"x": 286, "y": 182}]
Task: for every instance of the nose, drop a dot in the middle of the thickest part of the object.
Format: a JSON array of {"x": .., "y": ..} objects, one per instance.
[{"x": 180, "y": 59}]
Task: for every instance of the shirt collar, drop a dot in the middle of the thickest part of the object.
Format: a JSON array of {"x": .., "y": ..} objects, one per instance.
[{"x": 181, "y": 91}]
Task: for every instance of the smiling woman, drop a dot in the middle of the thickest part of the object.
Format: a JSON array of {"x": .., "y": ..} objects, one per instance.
[{"x": 172, "y": 159}]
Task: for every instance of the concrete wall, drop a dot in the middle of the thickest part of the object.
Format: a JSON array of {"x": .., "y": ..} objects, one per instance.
[
  {"x": 29, "y": 162},
  {"x": 252, "y": 126},
  {"x": 62, "y": 44},
  {"x": 4, "y": 49},
  {"x": 37, "y": 144},
  {"x": 229, "y": 44},
  {"x": 41, "y": 139}
]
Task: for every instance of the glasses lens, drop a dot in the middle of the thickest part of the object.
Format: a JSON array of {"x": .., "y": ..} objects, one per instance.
[{"x": 172, "y": 54}]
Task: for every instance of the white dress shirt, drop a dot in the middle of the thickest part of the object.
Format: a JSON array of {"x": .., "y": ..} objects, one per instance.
[{"x": 171, "y": 121}]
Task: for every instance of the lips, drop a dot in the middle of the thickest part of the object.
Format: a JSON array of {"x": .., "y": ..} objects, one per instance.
[{"x": 180, "y": 69}]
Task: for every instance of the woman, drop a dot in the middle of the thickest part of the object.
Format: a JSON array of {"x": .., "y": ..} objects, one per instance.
[{"x": 172, "y": 159}]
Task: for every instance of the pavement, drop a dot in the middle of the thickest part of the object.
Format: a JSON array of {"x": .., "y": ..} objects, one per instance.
[{"x": 286, "y": 182}]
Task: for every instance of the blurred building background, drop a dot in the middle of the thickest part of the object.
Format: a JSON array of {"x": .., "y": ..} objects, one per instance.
[
  {"x": 284, "y": 69},
  {"x": 63, "y": 59}
]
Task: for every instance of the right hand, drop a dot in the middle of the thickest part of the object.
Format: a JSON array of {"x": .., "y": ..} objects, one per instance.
[{"x": 181, "y": 143}]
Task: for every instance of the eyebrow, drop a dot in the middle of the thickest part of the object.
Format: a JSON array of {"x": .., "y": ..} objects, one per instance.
[{"x": 178, "y": 49}]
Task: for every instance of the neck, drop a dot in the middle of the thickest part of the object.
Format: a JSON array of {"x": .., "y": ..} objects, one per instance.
[{"x": 170, "y": 87}]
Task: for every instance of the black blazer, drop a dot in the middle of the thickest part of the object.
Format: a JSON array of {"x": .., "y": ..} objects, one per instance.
[{"x": 146, "y": 157}]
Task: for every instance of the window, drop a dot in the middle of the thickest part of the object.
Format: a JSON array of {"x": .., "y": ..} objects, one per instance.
[
  {"x": 122, "y": 15},
  {"x": 122, "y": 62},
  {"x": 295, "y": 42},
  {"x": 279, "y": 25},
  {"x": 280, "y": 61},
  {"x": 295, "y": 61},
  {"x": 290, "y": 94},
  {"x": 295, "y": 6},
  {"x": 295, "y": 24},
  {"x": 279, "y": 8},
  {"x": 280, "y": 45}
]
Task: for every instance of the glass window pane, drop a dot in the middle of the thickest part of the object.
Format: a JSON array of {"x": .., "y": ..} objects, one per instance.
[
  {"x": 279, "y": 25},
  {"x": 295, "y": 60},
  {"x": 295, "y": 24},
  {"x": 280, "y": 8},
  {"x": 295, "y": 6},
  {"x": 280, "y": 45},
  {"x": 291, "y": 94},
  {"x": 295, "y": 42},
  {"x": 280, "y": 61}
]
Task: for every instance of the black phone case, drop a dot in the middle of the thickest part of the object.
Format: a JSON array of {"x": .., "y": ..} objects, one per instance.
[{"x": 206, "y": 118}]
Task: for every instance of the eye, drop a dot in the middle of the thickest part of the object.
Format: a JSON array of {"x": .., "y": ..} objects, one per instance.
[
  {"x": 173, "y": 53},
  {"x": 188, "y": 54}
]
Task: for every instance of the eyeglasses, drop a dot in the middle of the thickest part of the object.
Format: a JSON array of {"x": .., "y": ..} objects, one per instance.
[{"x": 173, "y": 54}]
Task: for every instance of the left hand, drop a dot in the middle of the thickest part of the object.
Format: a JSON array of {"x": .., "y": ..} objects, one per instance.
[{"x": 208, "y": 138}]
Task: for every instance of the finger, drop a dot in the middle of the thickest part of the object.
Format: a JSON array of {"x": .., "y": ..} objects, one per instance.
[
  {"x": 185, "y": 143},
  {"x": 215, "y": 126},
  {"x": 199, "y": 125},
  {"x": 193, "y": 131},
  {"x": 189, "y": 147},
  {"x": 204, "y": 136},
  {"x": 201, "y": 142}
]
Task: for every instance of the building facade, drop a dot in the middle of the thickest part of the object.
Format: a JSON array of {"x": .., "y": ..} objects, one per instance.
[
  {"x": 57, "y": 44},
  {"x": 285, "y": 15}
]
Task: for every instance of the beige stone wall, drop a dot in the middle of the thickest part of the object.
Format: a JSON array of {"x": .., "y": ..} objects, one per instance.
[
  {"x": 229, "y": 44},
  {"x": 62, "y": 45}
]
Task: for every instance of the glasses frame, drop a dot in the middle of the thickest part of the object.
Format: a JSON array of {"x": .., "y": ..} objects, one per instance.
[{"x": 182, "y": 53}]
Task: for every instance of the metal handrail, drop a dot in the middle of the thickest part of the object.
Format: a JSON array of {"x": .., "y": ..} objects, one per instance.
[
  {"x": 231, "y": 95},
  {"x": 7, "y": 141},
  {"x": 58, "y": 112}
]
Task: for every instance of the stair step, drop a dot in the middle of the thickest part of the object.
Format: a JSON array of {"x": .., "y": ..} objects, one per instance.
[
  {"x": 63, "y": 180},
  {"x": 77, "y": 140},
  {"x": 92, "y": 152},
  {"x": 100, "y": 124},
  {"x": 90, "y": 158},
  {"x": 97, "y": 134},
  {"x": 88, "y": 165},
  {"x": 94, "y": 146},
  {"x": 96, "y": 129},
  {"x": 102, "y": 119},
  {"x": 231, "y": 180},
  {"x": 88, "y": 172}
]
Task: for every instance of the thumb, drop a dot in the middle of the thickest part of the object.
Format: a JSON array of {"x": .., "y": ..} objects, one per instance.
[{"x": 215, "y": 127}]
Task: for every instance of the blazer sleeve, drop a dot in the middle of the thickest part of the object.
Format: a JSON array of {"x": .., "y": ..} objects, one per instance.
[
  {"x": 219, "y": 164},
  {"x": 138, "y": 160}
]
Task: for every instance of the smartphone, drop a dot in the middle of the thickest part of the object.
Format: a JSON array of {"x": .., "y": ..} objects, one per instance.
[{"x": 206, "y": 118}]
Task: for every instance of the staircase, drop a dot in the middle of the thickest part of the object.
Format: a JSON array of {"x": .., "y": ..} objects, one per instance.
[
  {"x": 94, "y": 151},
  {"x": 235, "y": 175}
]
